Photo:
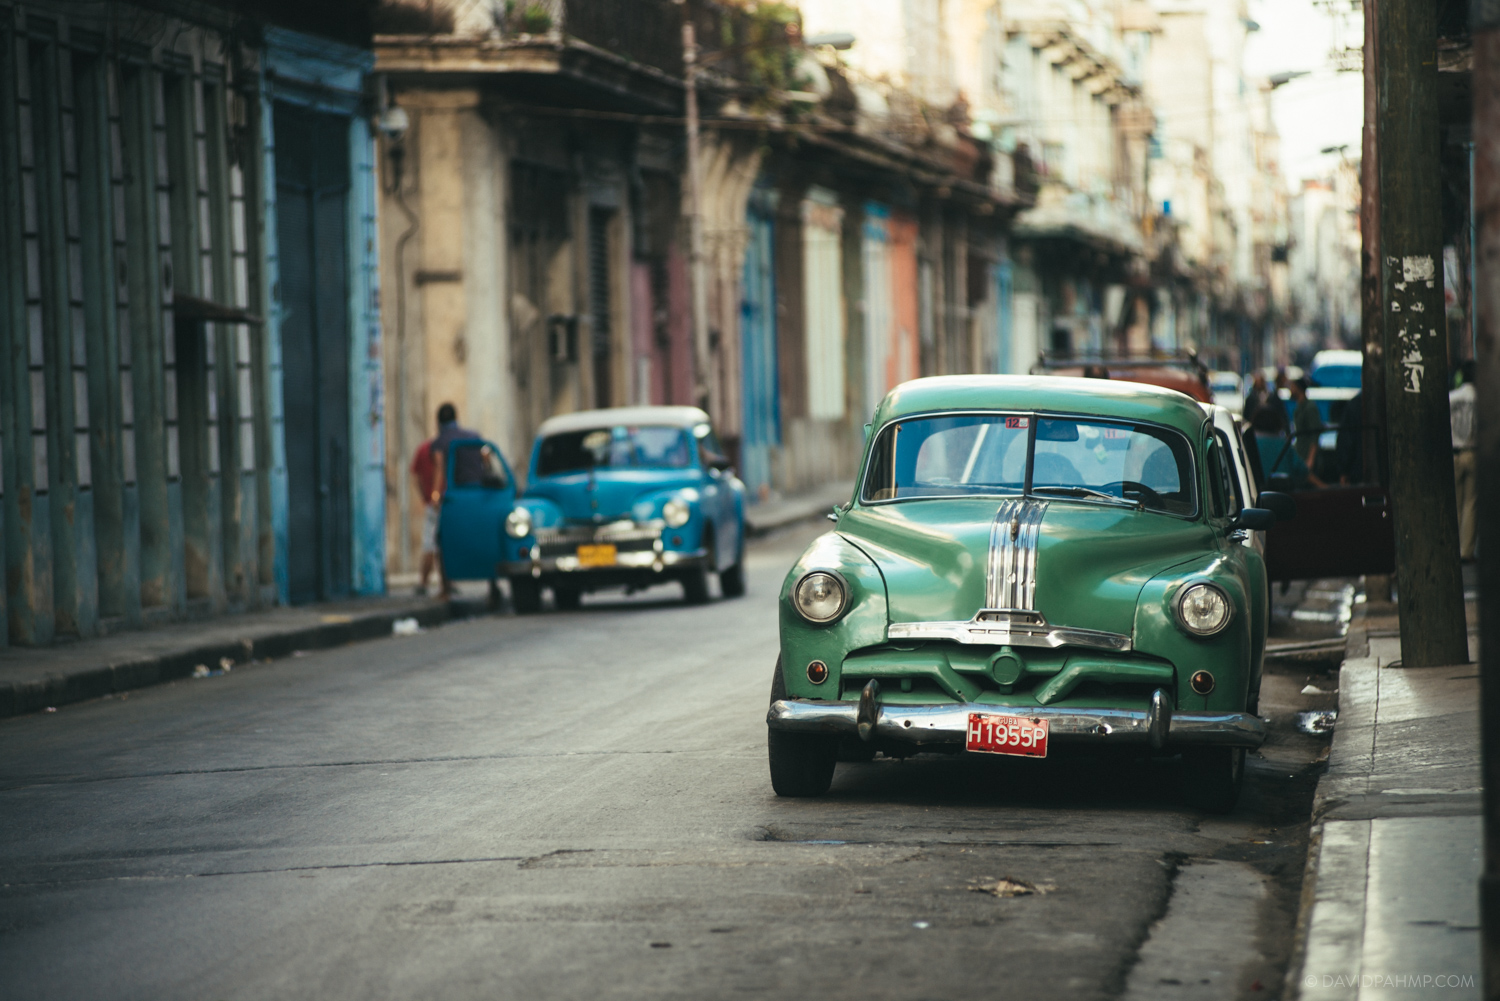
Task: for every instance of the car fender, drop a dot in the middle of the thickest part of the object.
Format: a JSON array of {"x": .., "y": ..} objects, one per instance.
[
  {"x": 863, "y": 624},
  {"x": 1227, "y": 655}
]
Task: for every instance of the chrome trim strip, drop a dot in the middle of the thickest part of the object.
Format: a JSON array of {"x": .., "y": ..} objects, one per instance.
[
  {"x": 1010, "y": 578},
  {"x": 648, "y": 560},
  {"x": 1002, "y": 626},
  {"x": 947, "y": 724}
]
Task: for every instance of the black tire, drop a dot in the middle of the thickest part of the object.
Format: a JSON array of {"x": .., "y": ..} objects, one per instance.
[
  {"x": 494, "y": 595},
  {"x": 732, "y": 580},
  {"x": 1212, "y": 777},
  {"x": 567, "y": 599},
  {"x": 695, "y": 586},
  {"x": 525, "y": 595},
  {"x": 802, "y": 764}
]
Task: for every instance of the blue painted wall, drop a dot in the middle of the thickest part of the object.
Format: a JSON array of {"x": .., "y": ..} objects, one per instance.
[{"x": 329, "y": 77}]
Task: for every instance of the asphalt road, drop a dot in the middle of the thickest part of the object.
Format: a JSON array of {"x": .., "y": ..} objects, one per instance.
[{"x": 577, "y": 805}]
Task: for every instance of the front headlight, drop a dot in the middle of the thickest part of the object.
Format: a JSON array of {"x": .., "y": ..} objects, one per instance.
[
  {"x": 820, "y": 596},
  {"x": 518, "y": 523},
  {"x": 676, "y": 512},
  {"x": 1203, "y": 609}
]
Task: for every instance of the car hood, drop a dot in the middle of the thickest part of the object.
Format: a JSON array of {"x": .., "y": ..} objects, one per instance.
[
  {"x": 610, "y": 494},
  {"x": 1091, "y": 559}
]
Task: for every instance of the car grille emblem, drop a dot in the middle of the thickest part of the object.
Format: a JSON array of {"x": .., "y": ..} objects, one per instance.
[{"x": 1010, "y": 578}]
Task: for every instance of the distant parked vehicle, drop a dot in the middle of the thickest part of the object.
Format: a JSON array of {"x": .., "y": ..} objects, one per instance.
[
  {"x": 1228, "y": 390},
  {"x": 1181, "y": 371},
  {"x": 1336, "y": 376},
  {"x": 627, "y": 497}
]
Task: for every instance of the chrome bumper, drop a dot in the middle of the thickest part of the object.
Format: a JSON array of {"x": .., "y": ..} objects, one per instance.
[
  {"x": 1157, "y": 727},
  {"x": 646, "y": 561}
]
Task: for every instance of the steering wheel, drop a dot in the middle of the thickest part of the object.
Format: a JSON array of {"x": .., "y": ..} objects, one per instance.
[{"x": 1135, "y": 486}]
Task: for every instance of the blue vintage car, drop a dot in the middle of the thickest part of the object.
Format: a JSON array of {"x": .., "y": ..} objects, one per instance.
[
  {"x": 627, "y": 497},
  {"x": 480, "y": 495}
]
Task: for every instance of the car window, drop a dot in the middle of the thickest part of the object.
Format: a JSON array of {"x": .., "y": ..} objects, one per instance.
[
  {"x": 1233, "y": 494},
  {"x": 988, "y": 454},
  {"x": 620, "y": 447},
  {"x": 710, "y": 453},
  {"x": 946, "y": 456},
  {"x": 1133, "y": 462}
]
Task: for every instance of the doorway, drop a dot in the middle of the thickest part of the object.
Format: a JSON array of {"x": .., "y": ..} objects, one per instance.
[{"x": 312, "y": 195}]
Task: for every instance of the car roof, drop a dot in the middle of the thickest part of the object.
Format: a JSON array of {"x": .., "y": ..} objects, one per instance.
[
  {"x": 1338, "y": 356},
  {"x": 1059, "y": 394},
  {"x": 585, "y": 420}
]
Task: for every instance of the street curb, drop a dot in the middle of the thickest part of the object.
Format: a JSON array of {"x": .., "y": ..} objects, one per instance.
[
  {"x": 18, "y": 698},
  {"x": 759, "y": 522}
]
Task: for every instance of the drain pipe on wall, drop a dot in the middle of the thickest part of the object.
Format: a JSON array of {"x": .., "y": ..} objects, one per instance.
[{"x": 395, "y": 124}]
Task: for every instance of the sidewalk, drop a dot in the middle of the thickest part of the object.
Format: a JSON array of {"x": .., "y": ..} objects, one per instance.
[
  {"x": 773, "y": 514},
  {"x": 32, "y": 678},
  {"x": 1390, "y": 904}
]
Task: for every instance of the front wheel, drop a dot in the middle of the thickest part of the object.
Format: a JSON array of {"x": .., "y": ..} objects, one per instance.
[
  {"x": 732, "y": 580},
  {"x": 525, "y": 595},
  {"x": 801, "y": 763},
  {"x": 695, "y": 586},
  {"x": 1212, "y": 777}
]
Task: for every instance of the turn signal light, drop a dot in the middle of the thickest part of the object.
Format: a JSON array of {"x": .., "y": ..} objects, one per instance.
[
  {"x": 1202, "y": 682},
  {"x": 817, "y": 672}
]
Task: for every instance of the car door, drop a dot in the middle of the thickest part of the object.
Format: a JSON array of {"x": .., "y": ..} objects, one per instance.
[
  {"x": 1341, "y": 531},
  {"x": 480, "y": 495}
]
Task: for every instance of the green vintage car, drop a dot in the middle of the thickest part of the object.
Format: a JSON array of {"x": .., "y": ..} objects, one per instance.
[{"x": 1029, "y": 561}]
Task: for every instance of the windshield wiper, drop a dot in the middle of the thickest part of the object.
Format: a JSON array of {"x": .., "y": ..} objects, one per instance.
[{"x": 1081, "y": 492}]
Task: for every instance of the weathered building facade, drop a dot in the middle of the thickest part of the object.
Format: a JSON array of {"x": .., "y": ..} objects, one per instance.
[
  {"x": 159, "y": 316},
  {"x": 537, "y": 253}
]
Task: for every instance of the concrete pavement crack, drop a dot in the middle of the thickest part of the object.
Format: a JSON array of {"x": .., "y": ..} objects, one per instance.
[
  {"x": 357, "y": 763},
  {"x": 263, "y": 872}
]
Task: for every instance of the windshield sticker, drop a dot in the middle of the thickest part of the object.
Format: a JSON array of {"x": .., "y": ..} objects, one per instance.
[{"x": 1017, "y": 422}]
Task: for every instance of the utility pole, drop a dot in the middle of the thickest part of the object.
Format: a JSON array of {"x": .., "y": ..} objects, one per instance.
[
  {"x": 693, "y": 207},
  {"x": 1429, "y": 583},
  {"x": 1372, "y": 391},
  {"x": 1485, "y": 30}
]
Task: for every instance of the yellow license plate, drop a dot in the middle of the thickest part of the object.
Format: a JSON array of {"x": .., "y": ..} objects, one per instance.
[{"x": 596, "y": 556}]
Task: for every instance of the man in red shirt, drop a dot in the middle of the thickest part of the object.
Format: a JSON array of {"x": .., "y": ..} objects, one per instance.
[{"x": 424, "y": 470}]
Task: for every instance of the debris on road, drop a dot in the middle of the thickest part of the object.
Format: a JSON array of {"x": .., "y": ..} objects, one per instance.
[
  {"x": 201, "y": 671},
  {"x": 1011, "y": 887},
  {"x": 405, "y": 627},
  {"x": 1315, "y": 690},
  {"x": 1319, "y": 722}
]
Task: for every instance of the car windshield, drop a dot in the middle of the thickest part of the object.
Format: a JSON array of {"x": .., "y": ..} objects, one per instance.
[
  {"x": 1101, "y": 461},
  {"x": 619, "y": 447}
]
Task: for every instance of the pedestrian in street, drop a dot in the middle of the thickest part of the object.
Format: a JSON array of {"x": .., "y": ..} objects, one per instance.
[
  {"x": 468, "y": 465},
  {"x": 1307, "y": 423},
  {"x": 424, "y": 472},
  {"x": 1277, "y": 454},
  {"x": 1258, "y": 396},
  {"x": 1461, "y": 404}
]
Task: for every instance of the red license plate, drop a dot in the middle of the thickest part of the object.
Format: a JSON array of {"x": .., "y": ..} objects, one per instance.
[{"x": 990, "y": 733}]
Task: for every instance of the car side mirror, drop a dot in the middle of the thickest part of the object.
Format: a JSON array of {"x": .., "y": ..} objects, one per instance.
[
  {"x": 1283, "y": 506},
  {"x": 1253, "y": 519}
]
